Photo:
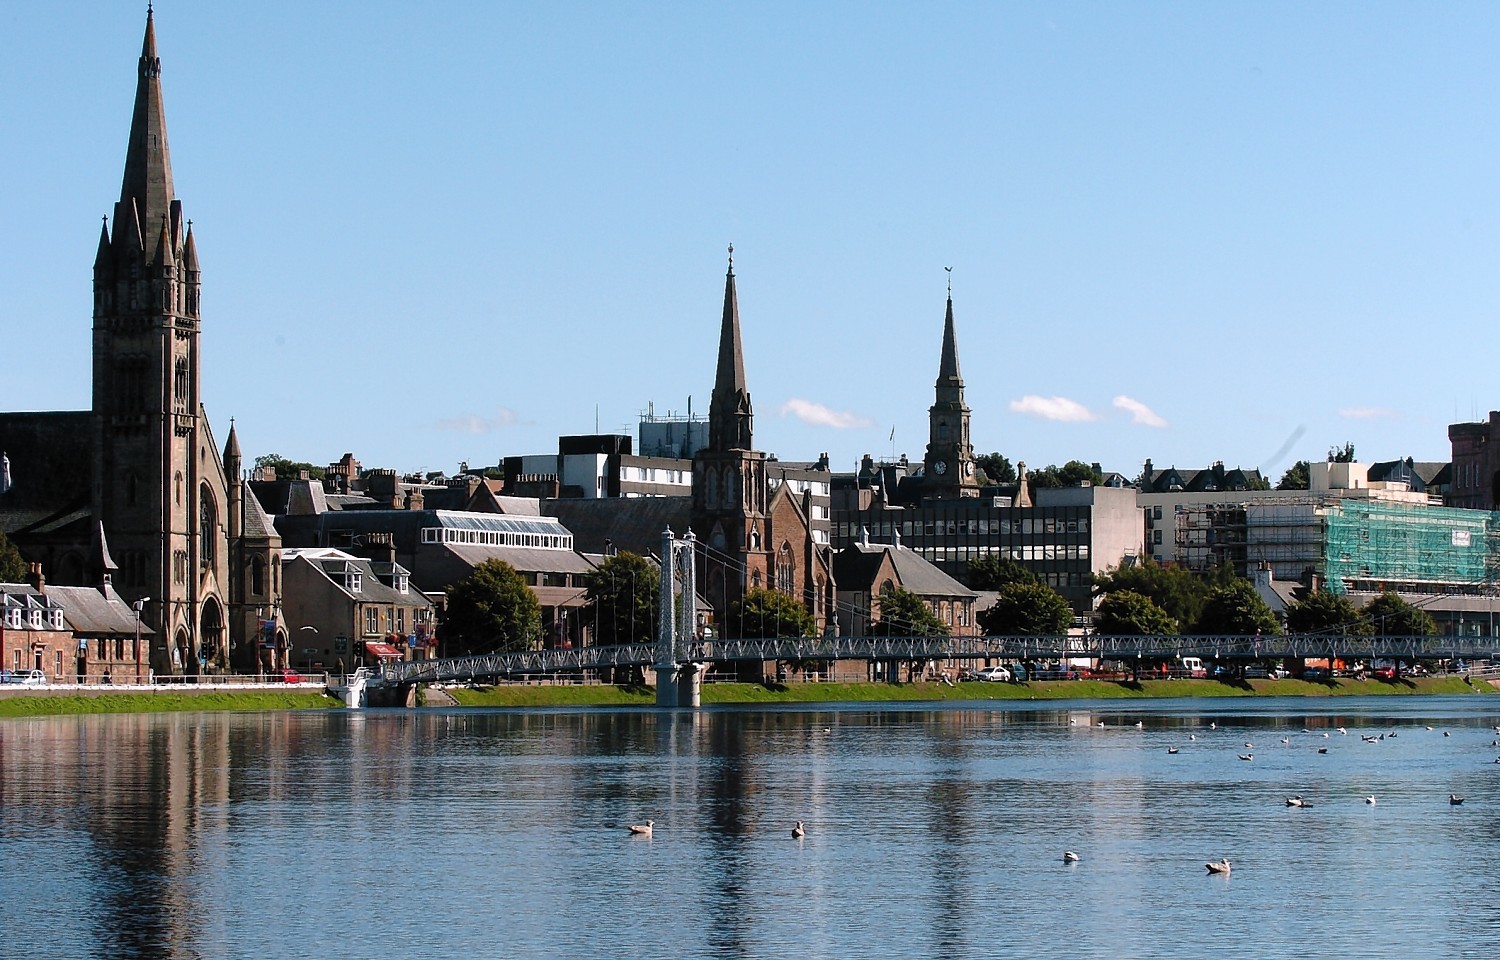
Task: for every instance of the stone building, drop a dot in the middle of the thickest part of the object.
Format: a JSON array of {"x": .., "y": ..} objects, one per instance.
[{"x": 134, "y": 490}]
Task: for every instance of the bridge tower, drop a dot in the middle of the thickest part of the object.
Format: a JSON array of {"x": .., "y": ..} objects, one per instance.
[{"x": 679, "y": 680}]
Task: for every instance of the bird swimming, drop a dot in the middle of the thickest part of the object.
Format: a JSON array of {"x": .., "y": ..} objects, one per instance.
[
  {"x": 1070, "y": 857},
  {"x": 1455, "y": 799},
  {"x": 1370, "y": 800},
  {"x": 797, "y": 832},
  {"x": 1247, "y": 756},
  {"x": 642, "y": 829},
  {"x": 1295, "y": 801},
  {"x": 1171, "y": 749},
  {"x": 1218, "y": 866},
  {"x": 1322, "y": 749}
]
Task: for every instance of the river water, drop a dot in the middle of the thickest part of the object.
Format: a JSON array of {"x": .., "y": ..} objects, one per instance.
[{"x": 931, "y": 833}]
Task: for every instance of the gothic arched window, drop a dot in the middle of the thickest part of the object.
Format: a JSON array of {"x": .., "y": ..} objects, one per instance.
[
  {"x": 257, "y": 576},
  {"x": 180, "y": 386},
  {"x": 208, "y": 528},
  {"x": 785, "y": 570}
]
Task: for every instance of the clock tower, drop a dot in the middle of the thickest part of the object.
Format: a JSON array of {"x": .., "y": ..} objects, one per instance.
[{"x": 949, "y": 463}]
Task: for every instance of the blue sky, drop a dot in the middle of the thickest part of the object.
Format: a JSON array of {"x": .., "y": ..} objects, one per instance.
[{"x": 449, "y": 232}]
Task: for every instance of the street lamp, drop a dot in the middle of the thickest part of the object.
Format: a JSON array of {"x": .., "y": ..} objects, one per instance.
[
  {"x": 138, "y": 606},
  {"x": 299, "y": 630}
]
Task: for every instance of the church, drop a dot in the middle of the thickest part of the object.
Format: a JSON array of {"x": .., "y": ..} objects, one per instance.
[{"x": 135, "y": 492}]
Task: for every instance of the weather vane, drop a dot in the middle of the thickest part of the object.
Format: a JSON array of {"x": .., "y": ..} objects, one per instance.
[{"x": 950, "y": 282}]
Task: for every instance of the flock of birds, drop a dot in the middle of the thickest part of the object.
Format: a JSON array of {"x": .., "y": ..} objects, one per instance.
[{"x": 1220, "y": 866}]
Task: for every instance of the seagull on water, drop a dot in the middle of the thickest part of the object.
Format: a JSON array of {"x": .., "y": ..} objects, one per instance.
[
  {"x": 1455, "y": 799},
  {"x": 1171, "y": 749},
  {"x": 1322, "y": 749},
  {"x": 1295, "y": 801},
  {"x": 1286, "y": 739},
  {"x": 797, "y": 832},
  {"x": 1247, "y": 756},
  {"x": 1192, "y": 736},
  {"x": 642, "y": 829},
  {"x": 1370, "y": 800},
  {"x": 1346, "y": 732},
  {"x": 1218, "y": 866},
  {"x": 1070, "y": 857}
]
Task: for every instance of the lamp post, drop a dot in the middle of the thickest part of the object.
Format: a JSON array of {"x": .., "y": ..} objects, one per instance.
[
  {"x": 138, "y": 606},
  {"x": 299, "y": 630}
]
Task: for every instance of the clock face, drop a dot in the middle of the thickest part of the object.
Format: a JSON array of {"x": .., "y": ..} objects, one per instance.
[
  {"x": 940, "y": 468},
  {"x": 969, "y": 468}
]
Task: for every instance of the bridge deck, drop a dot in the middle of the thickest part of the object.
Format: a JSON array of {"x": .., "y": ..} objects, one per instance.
[{"x": 942, "y": 648}]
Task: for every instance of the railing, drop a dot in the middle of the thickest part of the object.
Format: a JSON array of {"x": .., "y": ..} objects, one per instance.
[{"x": 912, "y": 649}]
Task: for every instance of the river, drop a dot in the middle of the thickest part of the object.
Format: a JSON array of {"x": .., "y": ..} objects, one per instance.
[{"x": 930, "y": 833}]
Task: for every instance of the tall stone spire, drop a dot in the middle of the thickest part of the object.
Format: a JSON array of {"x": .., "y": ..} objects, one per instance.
[
  {"x": 949, "y": 462},
  {"x": 948, "y": 375},
  {"x": 147, "y": 185},
  {"x": 730, "y": 417}
]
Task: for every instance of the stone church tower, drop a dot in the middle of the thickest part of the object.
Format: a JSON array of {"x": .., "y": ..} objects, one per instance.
[
  {"x": 159, "y": 487},
  {"x": 949, "y": 462},
  {"x": 729, "y": 477}
]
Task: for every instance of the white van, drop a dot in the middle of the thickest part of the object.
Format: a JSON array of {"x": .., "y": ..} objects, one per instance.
[{"x": 1193, "y": 667}]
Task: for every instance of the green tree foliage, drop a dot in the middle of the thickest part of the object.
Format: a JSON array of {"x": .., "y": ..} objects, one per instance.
[
  {"x": 1235, "y": 608},
  {"x": 1124, "y": 613},
  {"x": 1026, "y": 608},
  {"x": 1327, "y": 613},
  {"x": 1296, "y": 477},
  {"x": 904, "y": 614},
  {"x": 12, "y": 567},
  {"x": 288, "y": 469},
  {"x": 492, "y": 609},
  {"x": 1391, "y": 616},
  {"x": 996, "y": 468},
  {"x": 1174, "y": 589},
  {"x": 1070, "y": 474},
  {"x": 1257, "y": 483},
  {"x": 620, "y": 604},
  {"x": 1344, "y": 454},
  {"x": 769, "y": 613},
  {"x": 991, "y": 571}
]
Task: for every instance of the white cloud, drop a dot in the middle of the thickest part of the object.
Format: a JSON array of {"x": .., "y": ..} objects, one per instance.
[
  {"x": 820, "y": 416},
  {"x": 1139, "y": 412},
  {"x": 1369, "y": 413},
  {"x": 1053, "y": 408},
  {"x": 504, "y": 417}
]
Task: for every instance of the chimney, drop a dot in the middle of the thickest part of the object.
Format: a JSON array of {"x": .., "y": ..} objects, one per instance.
[{"x": 34, "y": 577}]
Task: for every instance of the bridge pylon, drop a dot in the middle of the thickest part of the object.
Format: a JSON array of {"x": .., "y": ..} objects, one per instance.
[{"x": 679, "y": 680}]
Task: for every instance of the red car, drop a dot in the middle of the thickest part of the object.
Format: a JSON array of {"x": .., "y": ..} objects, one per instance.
[
  {"x": 1384, "y": 673},
  {"x": 288, "y": 675}
]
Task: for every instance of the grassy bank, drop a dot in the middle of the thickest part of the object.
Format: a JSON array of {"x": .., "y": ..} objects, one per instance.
[
  {"x": 156, "y": 701},
  {"x": 750, "y": 693}
]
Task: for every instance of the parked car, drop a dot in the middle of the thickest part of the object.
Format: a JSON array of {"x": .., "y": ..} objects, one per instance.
[
  {"x": 31, "y": 678},
  {"x": 1315, "y": 673},
  {"x": 1384, "y": 673},
  {"x": 993, "y": 674},
  {"x": 288, "y": 675}
]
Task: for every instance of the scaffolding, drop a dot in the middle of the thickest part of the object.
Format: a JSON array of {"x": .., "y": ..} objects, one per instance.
[{"x": 1377, "y": 543}]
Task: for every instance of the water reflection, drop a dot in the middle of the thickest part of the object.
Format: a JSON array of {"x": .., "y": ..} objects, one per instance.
[{"x": 931, "y": 833}]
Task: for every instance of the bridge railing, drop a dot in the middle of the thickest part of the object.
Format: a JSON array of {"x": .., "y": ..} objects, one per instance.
[{"x": 912, "y": 649}]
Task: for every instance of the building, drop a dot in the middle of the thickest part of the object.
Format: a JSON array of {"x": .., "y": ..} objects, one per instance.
[
  {"x": 1475, "y": 478},
  {"x": 138, "y": 478},
  {"x": 598, "y": 467},
  {"x": 866, "y": 571},
  {"x": 347, "y": 611},
  {"x": 752, "y": 535}
]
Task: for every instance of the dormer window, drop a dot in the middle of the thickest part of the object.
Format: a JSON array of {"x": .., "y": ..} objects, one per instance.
[
  {"x": 34, "y": 619},
  {"x": 13, "y": 618},
  {"x": 353, "y": 582},
  {"x": 401, "y": 580},
  {"x": 55, "y": 618}
]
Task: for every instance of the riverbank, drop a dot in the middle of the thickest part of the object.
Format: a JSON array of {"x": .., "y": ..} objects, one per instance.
[
  {"x": 526, "y": 695},
  {"x": 42, "y": 703}
]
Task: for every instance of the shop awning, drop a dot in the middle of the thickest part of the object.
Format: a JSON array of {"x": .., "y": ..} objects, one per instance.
[{"x": 383, "y": 650}]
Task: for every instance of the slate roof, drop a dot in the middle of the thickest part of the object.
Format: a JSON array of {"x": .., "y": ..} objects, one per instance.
[
  {"x": 855, "y": 566},
  {"x": 625, "y": 523},
  {"x": 93, "y": 612},
  {"x": 1216, "y": 477},
  {"x": 1419, "y": 474}
]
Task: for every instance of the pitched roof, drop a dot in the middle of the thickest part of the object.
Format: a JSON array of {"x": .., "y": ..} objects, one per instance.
[
  {"x": 624, "y": 523},
  {"x": 915, "y": 573},
  {"x": 92, "y": 612}
]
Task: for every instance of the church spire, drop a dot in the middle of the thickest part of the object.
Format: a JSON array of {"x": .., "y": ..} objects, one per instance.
[
  {"x": 729, "y": 413},
  {"x": 948, "y": 374},
  {"x": 148, "y": 166}
]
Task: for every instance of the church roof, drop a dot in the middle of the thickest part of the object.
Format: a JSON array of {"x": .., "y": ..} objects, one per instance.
[
  {"x": 855, "y": 567},
  {"x": 624, "y": 523}
]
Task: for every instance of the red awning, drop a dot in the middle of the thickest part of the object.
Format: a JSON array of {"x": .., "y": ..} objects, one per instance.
[{"x": 383, "y": 650}]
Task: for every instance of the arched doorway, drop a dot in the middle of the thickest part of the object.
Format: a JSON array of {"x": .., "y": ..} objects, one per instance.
[{"x": 211, "y": 649}]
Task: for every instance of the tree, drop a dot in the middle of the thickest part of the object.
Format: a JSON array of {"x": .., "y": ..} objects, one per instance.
[
  {"x": 1344, "y": 454},
  {"x": 621, "y": 597},
  {"x": 997, "y": 468},
  {"x": 991, "y": 571},
  {"x": 1391, "y": 616},
  {"x": 1176, "y": 590},
  {"x": 904, "y": 614},
  {"x": 1070, "y": 474},
  {"x": 12, "y": 567},
  {"x": 1027, "y": 608},
  {"x": 288, "y": 469},
  {"x": 1296, "y": 477},
  {"x": 492, "y": 609},
  {"x": 769, "y": 613},
  {"x": 1236, "y": 609},
  {"x": 1326, "y": 613},
  {"x": 1125, "y": 613}
]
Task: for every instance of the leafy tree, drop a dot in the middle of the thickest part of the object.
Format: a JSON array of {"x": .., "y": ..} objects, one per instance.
[
  {"x": 1125, "y": 613},
  {"x": 288, "y": 469},
  {"x": 1391, "y": 616},
  {"x": 904, "y": 614},
  {"x": 769, "y": 613},
  {"x": 1296, "y": 477},
  {"x": 1327, "y": 613},
  {"x": 1069, "y": 474},
  {"x": 997, "y": 468},
  {"x": 1257, "y": 483},
  {"x": 620, "y": 603},
  {"x": 991, "y": 571},
  {"x": 1344, "y": 454},
  {"x": 1027, "y": 608},
  {"x": 12, "y": 567},
  {"x": 492, "y": 609},
  {"x": 1236, "y": 608},
  {"x": 1174, "y": 589}
]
